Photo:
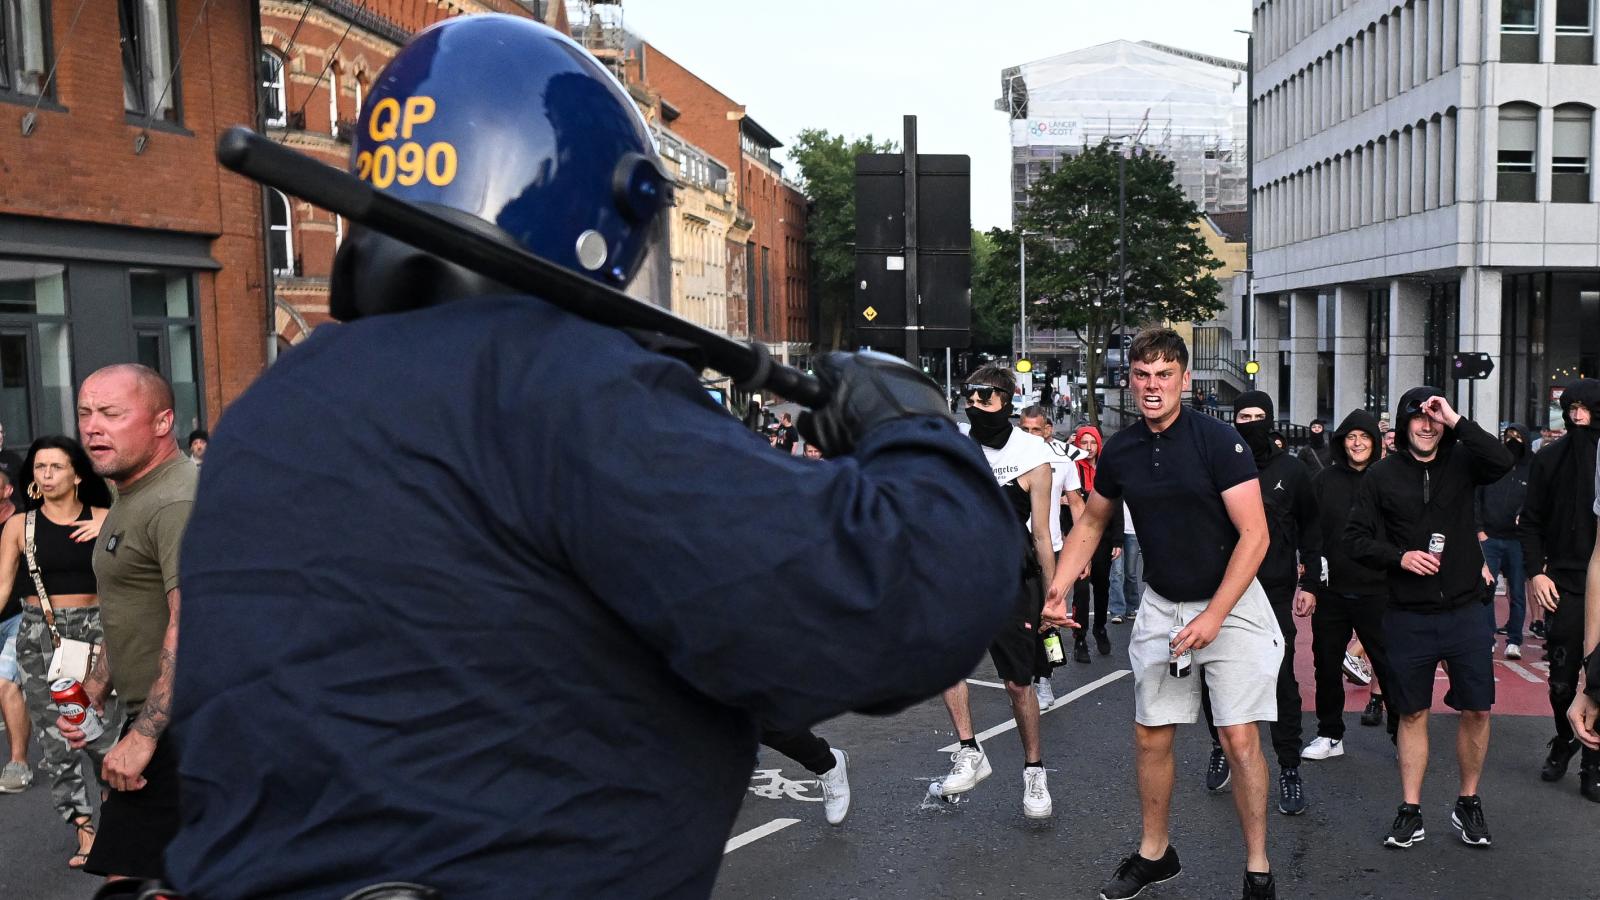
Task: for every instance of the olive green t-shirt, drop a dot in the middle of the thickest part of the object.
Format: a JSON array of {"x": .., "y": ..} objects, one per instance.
[{"x": 135, "y": 565}]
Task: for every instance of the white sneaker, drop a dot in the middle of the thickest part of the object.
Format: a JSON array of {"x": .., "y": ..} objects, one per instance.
[
  {"x": 1047, "y": 694},
  {"x": 1035, "y": 793},
  {"x": 968, "y": 766},
  {"x": 1323, "y": 748},
  {"x": 15, "y": 778},
  {"x": 836, "y": 788},
  {"x": 1355, "y": 670},
  {"x": 1513, "y": 651}
]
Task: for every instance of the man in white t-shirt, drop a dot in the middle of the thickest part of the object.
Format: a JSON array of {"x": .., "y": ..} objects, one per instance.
[
  {"x": 1022, "y": 466},
  {"x": 1068, "y": 503}
]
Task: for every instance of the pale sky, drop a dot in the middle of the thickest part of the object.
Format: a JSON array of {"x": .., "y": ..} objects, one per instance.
[{"x": 856, "y": 67}]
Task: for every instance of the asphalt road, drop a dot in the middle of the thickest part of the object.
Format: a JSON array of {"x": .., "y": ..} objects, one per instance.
[{"x": 897, "y": 843}]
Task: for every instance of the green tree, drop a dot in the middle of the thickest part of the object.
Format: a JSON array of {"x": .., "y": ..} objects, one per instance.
[
  {"x": 994, "y": 290},
  {"x": 1071, "y": 225},
  {"x": 827, "y": 164}
]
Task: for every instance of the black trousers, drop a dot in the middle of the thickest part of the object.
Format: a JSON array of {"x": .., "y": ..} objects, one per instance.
[
  {"x": 1336, "y": 617},
  {"x": 803, "y": 746},
  {"x": 1287, "y": 730},
  {"x": 1099, "y": 582},
  {"x": 1564, "y": 648}
]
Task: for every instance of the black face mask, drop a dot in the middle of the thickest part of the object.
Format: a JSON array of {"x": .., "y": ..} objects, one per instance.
[
  {"x": 1517, "y": 448},
  {"x": 1318, "y": 438},
  {"x": 991, "y": 429},
  {"x": 1258, "y": 437}
]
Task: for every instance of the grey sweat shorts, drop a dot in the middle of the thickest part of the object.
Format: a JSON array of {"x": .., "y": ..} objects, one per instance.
[{"x": 1241, "y": 666}]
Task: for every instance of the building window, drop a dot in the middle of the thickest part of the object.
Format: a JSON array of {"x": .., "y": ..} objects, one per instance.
[
  {"x": 1569, "y": 163},
  {"x": 166, "y": 338},
  {"x": 1575, "y": 32},
  {"x": 149, "y": 59},
  {"x": 280, "y": 239},
  {"x": 1519, "y": 31},
  {"x": 355, "y": 113},
  {"x": 36, "y": 383},
  {"x": 274, "y": 93},
  {"x": 24, "y": 46},
  {"x": 333, "y": 101},
  {"x": 1519, "y": 140},
  {"x": 1378, "y": 350}
]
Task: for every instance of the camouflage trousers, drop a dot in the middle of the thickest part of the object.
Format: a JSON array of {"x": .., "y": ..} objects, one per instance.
[{"x": 68, "y": 791}]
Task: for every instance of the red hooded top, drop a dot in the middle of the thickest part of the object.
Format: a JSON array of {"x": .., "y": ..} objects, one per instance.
[{"x": 1087, "y": 464}]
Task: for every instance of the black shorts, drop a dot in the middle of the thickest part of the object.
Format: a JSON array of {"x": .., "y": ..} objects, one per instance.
[
  {"x": 1462, "y": 639},
  {"x": 136, "y": 826},
  {"x": 1017, "y": 652}
]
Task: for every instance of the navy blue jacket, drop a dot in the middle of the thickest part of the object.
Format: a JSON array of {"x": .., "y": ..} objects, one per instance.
[{"x": 490, "y": 598}]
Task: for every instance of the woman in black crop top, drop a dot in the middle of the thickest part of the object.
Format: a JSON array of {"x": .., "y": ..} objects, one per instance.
[{"x": 67, "y": 503}]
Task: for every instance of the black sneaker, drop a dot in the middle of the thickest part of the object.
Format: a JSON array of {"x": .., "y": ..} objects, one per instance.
[
  {"x": 1468, "y": 817},
  {"x": 1080, "y": 651},
  {"x": 1561, "y": 753},
  {"x": 1407, "y": 828},
  {"x": 1260, "y": 886},
  {"x": 1102, "y": 642},
  {"x": 1537, "y": 629},
  {"x": 1589, "y": 781},
  {"x": 1217, "y": 773},
  {"x": 1373, "y": 714},
  {"x": 1136, "y": 873},
  {"x": 1291, "y": 793}
]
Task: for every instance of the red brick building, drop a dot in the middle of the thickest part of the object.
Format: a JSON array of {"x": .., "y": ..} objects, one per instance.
[
  {"x": 318, "y": 58},
  {"x": 121, "y": 239},
  {"x": 773, "y": 302}
]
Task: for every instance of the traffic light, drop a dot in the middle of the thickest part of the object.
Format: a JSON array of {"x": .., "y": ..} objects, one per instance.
[{"x": 1471, "y": 366}]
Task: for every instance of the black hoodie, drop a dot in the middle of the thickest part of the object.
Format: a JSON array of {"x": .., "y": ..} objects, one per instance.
[
  {"x": 1402, "y": 501},
  {"x": 1335, "y": 490},
  {"x": 1558, "y": 525},
  {"x": 1291, "y": 513},
  {"x": 1498, "y": 505}
]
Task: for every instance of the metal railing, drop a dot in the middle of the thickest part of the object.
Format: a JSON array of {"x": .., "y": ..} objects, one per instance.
[{"x": 1213, "y": 351}]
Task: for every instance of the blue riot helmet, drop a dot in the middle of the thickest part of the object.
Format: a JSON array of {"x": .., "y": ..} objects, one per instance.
[{"x": 508, "y": 127}]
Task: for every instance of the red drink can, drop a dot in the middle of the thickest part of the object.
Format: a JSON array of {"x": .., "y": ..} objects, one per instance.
[{"x": 73, "y": 702}]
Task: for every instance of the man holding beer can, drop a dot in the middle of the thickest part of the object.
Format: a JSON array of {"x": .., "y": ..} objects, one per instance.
[{"x": 1413, "y": 518}]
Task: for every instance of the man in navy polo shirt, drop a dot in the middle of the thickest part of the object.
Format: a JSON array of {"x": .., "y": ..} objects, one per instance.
[{"x": 1191, "y": 486}]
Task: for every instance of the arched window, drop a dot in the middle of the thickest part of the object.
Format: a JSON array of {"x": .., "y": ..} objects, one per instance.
[
  {"x": 274, "y": 96},
  {"x": 280, "y": 239},
  {"x": 356, "y": 112},
  {"x": 1518, "y": 180},
  {"x": 1569, "y": 148},
  {"x": 333, "y": 100}
]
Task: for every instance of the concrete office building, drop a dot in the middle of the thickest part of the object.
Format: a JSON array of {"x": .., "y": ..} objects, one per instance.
[{"x": 1423, "y": 186}]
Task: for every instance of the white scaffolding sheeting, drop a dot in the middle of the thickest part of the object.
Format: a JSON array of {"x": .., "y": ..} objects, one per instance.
[{"x": 1188, "y": 107}]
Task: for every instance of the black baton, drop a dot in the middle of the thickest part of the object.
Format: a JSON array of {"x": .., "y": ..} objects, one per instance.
[{"x": 272, "y": 164}]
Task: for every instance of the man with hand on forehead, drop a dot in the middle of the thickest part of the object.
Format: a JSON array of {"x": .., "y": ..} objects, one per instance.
[
  {"x": 1191, "y": 486},
  {"x": 1022, "y": 465}
]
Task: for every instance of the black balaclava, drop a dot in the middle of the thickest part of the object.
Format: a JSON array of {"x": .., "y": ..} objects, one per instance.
[
  {"x": 991, "y": 429},
  {"x": 1257, "y": 435},
  {"x": 1319, "y": 438}
]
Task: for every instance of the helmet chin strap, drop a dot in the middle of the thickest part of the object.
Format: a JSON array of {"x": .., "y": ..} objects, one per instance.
[{"x": 374, "y": 274}]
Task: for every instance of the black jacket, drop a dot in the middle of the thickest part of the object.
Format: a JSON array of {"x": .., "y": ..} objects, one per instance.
[
  {"x": 1335, "y": 491},
  {"x": 1316, "y": 459},
  {"x": 1558, "y": 523},
  {"x": 1402, "y": 501},
  {"x": 1291, "y": 525},
  {"x": 1498, "y": 505}
]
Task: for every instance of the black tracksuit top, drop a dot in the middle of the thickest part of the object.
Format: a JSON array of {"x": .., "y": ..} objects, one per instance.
[
  {"x": 1335, "y": 490},
  {"x": 1402, "y": 501}
]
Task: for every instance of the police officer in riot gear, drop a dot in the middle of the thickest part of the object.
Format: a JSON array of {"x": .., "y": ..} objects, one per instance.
[{"x": 441, "y": 627}]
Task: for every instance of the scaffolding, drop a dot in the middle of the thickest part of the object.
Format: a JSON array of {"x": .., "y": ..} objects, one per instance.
[
  {"x": 1188, "y": 107},
  {"x": 598, "y": 26}
]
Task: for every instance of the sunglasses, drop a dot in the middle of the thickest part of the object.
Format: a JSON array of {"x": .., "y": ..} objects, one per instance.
[{"x": 985, "y": 392}]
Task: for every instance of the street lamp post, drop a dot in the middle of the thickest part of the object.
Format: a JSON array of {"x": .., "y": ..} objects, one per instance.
[
  {"x": 1250, "y": 195},
  {"x": 1022, "y": 298}
]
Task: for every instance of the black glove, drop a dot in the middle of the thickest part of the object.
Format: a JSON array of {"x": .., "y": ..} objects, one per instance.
[{"x": 865, "y": 390}]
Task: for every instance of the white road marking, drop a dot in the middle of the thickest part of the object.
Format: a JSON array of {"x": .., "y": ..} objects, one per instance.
[
  {"x": 756, "y": 834},
  {"x": 993, "y": 684},
  {"x": 1526, "y": 675},
  {"x": 1009, "y": 724}
]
